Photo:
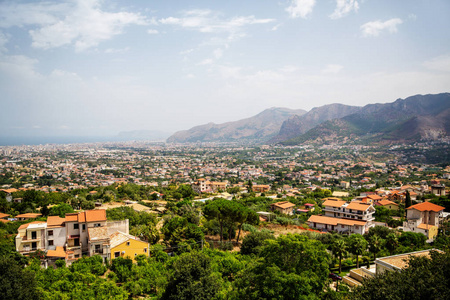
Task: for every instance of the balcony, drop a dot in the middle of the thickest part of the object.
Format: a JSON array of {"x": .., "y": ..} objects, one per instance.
[{"x": 98, "y": 251}]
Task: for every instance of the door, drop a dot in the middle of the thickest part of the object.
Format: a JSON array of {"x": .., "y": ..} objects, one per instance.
[{"x": 33, "y": 246}]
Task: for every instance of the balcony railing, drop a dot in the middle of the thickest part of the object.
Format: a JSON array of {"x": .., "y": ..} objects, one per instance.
[{"x": 98, "y": 251}]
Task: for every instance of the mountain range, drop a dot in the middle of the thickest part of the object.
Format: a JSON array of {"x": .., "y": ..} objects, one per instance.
[
  {"x": 414, "y": 118},
  {"x": 258, "y": 128}
]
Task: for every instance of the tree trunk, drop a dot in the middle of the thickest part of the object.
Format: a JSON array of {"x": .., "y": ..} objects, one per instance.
[
  {"x": 340, "y": 265},
  {"x": 239, "y": 234},
  {"x": 221, "y": 231},
  {"x": 229, "y": 233}
]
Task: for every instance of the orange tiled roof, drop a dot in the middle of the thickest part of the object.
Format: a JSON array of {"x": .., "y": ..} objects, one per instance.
[
  {"x": 425, "y": 226},
  {"x": 72, "y": 217},
  {"x": 358, "y": 206},
  {"x": 59, "y": 252},
  {"x": 29, "y": 215},
  {"x": 386, "y": 202},
  {"x": 427, "y": 206},
  {"x": 2, "y": 215},
  {"x": 283, "y": 204},
  {"x": 334, "y": 203},
  {"x": 335, "y": 221},
  {"x": 95, "y": 215},
  {"x": 54, "y": 221}
]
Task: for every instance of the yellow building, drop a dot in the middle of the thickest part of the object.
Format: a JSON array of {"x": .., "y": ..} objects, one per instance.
[
  {"x": 30, "y": 237},
  {"x": 127, "y": 246}
]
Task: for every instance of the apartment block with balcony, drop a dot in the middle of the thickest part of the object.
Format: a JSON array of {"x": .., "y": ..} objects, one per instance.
[
  {"x": 84, "y": 233},
  {"x": 344, "y": 217}
]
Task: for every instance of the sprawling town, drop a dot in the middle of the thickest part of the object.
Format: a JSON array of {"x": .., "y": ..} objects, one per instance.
[{"x": 137, "y": 207}]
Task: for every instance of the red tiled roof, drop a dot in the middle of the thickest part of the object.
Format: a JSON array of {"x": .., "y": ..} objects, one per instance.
[
  {"x": 55, "y": 221},
  {"x": 427, "y": 206},
  {"x": 95, "y": 215}
]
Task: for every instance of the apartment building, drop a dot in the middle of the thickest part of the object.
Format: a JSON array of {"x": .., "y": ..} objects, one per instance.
[
  {"x": 344, "y": 217},
  {"x": 83, "y": 233}
]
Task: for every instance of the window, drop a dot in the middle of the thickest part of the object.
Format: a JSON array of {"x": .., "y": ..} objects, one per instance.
[
  {"x": 33, "y": 235},
  {"x": 97, "y": 225},
  {"x": 145, "y": 250},
  {"x": 50, "y": 242},
  {"x": 128, "y": 243},
  {"x": 77, "y": 255},
  {"x": 75, "y": 226},
  {"x": 50, "y": 233},
  {"x": 116, "y": 254},
  {"x": 83, "y": 227}
]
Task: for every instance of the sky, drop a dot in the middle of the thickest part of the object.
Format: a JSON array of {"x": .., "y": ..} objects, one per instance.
[{"x": 96, "y": 68}]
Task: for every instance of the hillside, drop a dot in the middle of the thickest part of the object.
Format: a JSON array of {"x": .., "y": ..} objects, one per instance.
[
  {"x": 257, "y": 128},
  {"x": 298, "y": 125},
  {"x": 411, "y": 119}
]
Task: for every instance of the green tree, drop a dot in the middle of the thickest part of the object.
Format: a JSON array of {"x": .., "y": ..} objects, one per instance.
[
  {"x": 192, "y": 278},
  {"x": 60, "y": 210},
  {"x": 253, "y": 242},
  {"x": 375, "y": 245},
  {"x": 391, "y": 242},
  {"x": 424, "y": 278},
  {"x": 15, "y": 281},
  {"x": 339, "y": 249},
  {"x": 407, "y": 200},
  {"x": 357, "y": 245}
]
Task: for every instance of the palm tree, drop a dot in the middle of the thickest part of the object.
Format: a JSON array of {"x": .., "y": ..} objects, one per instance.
[
  {"x": 391, "y": 242},
  {"x": 339, "y": 249},
  {"x": 375, "y": 244},
  {"x": 357, "y": 245}
]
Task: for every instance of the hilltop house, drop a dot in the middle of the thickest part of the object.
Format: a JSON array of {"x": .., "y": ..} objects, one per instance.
[
  {"x": 205, "y": 186},
  {"x": 423, "y": 218},
  {"x": 84, "y": 233}
]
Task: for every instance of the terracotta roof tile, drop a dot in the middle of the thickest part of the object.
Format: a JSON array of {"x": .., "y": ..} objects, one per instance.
[
  {"x": 427, "y": 206},
  {"x": 55, "y": 221},
  {"x": 95, "y": 215}
]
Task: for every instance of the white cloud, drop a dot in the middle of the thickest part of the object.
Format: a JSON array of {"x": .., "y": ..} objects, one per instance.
[
  {"x": 3, "y": 41},
  {"x": 152, "y": 31},
  {"x": 374, "y": 28},
  {"x": 300, "y": 8},
  {"x": 82, "y": 23},
  {"x": 218, "y": 53},
  {"x": 440, "y": 63},
  {"x": 275, "y": 28},
  {"x": 343, "y": 8},
  {"x": 333, "y": 69},
  {"x": 207, "y": 21},
  {"x": 122, "y": 50},
  {"x": 207, "y": 61}
]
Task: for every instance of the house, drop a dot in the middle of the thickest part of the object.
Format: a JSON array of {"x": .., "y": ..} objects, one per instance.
[
  {"x": 388, "y": 204},
  {"x": 77, "y": 234},
  {"x": 127, "y": 246},
  {"x": 27, "y": 216},
  {"x": 261, "y": 188},
  {"x": 340, "y": 225},
  {"x": 388, "y": 263},
  {"x": 4, "y": 218},
  {"x": 284, "y": 207},
  {"x": 438, "y": 189},
  {"x": 423, "y": 218},
  {"x": 30, "y": 237},
  {"x": 204, "y": 186},
  {"x": 344, "y": 217}
]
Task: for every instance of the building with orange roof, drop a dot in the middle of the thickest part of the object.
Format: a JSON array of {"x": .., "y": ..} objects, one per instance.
[
  {"x": 284, "y": 207},
  {"x": 423, "y": 218},
  {"x": 388, "y": 204},
  {"x": 74, "y": 235},
  {"x": 27, "y": 216},
  {"x": 343, "y": 217}
]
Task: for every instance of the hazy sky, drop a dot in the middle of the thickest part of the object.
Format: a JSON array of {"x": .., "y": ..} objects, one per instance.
[{"x": 92, "y": 67}]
